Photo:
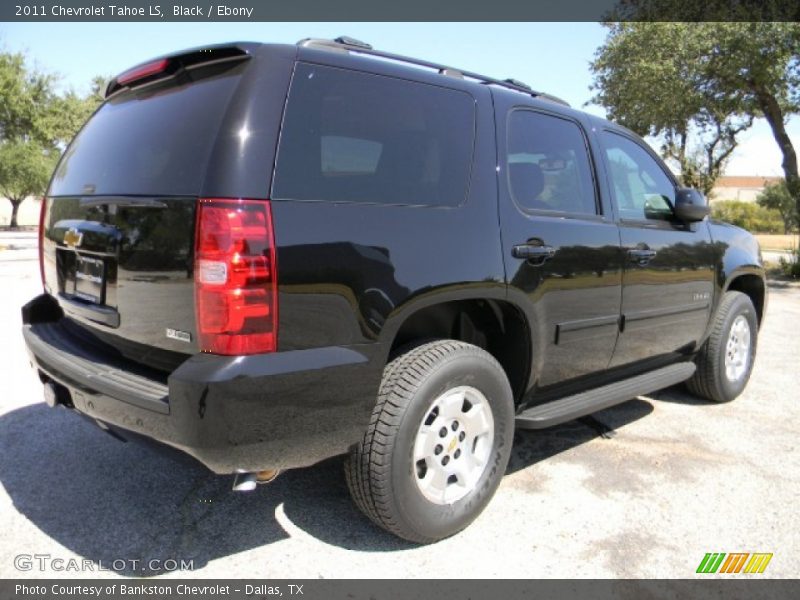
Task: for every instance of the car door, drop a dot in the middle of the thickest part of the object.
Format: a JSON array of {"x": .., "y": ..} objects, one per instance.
[
  {"x": 561, "y": 248},
  {"x": 668, "y": 278}
]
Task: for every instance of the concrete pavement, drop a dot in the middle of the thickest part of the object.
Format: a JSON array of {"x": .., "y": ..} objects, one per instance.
[
  {"x": 681, "y": 478},
  {"x": 19, "y": 246}
]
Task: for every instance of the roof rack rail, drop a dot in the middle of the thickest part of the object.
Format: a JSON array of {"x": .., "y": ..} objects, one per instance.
[{"x": 348, "y": 44}]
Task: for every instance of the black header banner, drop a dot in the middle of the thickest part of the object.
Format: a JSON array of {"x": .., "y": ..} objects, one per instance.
[{"x": 394, "y": 10}]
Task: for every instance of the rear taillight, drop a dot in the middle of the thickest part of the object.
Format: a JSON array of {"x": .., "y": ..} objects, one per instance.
[
  {"x": 42, "y": 214},
  {"x": 236, "y": 295}
]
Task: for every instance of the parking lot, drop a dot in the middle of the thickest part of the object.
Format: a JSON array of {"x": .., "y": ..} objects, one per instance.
[{"x": 680, "y": 478}]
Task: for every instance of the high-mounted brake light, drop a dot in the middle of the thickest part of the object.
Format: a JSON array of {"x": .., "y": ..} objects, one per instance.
[
  {"x": 42, "y": 214},
  {"x": 178, "y": 63},
  {"x": 236, "y": 283},
  {"x": 143, "y": 71}
]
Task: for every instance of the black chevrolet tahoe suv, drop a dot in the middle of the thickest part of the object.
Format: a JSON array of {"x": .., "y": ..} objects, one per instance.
[{"x": 268, "y": 255}]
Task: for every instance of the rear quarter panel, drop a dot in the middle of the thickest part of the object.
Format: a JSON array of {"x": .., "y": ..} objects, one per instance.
[{"x": 350, "y": 273}]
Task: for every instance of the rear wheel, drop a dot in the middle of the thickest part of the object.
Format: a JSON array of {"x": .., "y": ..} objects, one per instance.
[
  {"x": 726, "y": 359},
  {"x": 438, "y": 442}
]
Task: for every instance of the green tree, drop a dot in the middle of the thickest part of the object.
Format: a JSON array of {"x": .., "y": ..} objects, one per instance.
[
  {"x": 66, "y": 114},
  {"x": 777, "y": 197},
  {"x": 25, "y": 169},
  {"x": 25, "y": 97},
  {"x": 673, "y": 79},
  {"x": 645, "y": 76},
  {"x": 36, "y": 124},
  {"x": 756, "y": 66},
  {"x": 706, "y": 11}
]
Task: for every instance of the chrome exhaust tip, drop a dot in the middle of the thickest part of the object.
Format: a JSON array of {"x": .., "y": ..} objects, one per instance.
[
  {"x": 268, "y": 476},
  {"x": 244, "y": 482},
  {"x": 247, "y": 482}
]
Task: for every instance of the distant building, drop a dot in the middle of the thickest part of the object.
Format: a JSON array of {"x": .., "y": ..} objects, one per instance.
[{"x": 744, "y": 188}]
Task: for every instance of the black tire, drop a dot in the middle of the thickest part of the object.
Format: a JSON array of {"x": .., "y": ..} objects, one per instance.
[
  {"x": 711, "y": 381},
  {"x": 381, "y": 471}
]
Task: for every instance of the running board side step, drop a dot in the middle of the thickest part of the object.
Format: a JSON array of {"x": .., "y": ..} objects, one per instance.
[{"x": 584, "y": 403}]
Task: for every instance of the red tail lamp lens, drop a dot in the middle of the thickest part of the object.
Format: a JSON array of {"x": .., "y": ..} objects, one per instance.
[
  {"x": 235, "y": 277},
  {"x": 42, "y": 223},
  {"x": 143, "y": 71}
]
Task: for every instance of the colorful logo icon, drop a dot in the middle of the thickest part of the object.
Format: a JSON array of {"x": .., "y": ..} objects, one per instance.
[{"x": 735, "y": 562}]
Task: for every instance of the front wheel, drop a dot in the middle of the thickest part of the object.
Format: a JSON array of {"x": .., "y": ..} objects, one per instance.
[
  {"x": 438, "y": 442},
  {"x": 726, "y": 359}
]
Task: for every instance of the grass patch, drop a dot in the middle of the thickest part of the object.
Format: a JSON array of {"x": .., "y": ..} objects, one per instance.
[{"x": 777, "y": 242}]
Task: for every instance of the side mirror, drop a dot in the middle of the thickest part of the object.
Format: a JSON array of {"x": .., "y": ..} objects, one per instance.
[{"x": 690, "y": 205}]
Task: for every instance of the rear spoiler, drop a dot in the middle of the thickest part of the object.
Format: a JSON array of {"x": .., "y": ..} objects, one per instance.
[{"x": 173, "y": 65}]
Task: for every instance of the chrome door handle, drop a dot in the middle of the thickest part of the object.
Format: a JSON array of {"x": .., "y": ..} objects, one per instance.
[{"x": 533, "y": 252}]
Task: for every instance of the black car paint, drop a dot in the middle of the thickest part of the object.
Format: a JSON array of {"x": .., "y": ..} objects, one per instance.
[
  {"x": 572, "y": 300},
  {"x": 147, "y": 245},
  {"x": 667, "y": 298},
  {"x": 231, "y": 413},
  {"x": 738, "y": 263},
  {"x": 352, "y": 276}
]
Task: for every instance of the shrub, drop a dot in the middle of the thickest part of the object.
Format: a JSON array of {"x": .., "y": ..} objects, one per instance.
[
  {"x": 777, "y": 196},
  {"x": 748, "y": 215},
  {"x": 791, "y": 268}
]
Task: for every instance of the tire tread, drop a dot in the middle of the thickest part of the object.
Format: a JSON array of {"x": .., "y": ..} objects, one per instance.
[
  {"x": 706, "y": 381},
  {"x": 368, "y": 467}
]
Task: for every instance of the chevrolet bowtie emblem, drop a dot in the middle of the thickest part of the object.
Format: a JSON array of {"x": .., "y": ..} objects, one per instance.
[{"x": 73, "y": 237}]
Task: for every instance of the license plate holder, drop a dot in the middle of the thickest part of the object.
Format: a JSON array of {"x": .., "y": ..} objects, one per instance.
[{"x": 90, "y": 279}]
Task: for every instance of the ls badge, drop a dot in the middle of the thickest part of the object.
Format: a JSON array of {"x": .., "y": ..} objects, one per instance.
[{"x": 177, "y": 334}]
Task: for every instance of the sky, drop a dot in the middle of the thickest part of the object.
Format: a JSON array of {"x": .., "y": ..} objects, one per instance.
[{"x": 550, "y": 57}]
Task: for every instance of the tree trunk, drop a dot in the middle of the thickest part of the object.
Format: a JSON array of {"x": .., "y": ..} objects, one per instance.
[
  {"x": 774, "y": 115},
  {"x": 14, "y": 210}
]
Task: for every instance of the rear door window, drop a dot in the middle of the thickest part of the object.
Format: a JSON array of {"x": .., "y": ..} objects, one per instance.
[
  {"x": 548, "y": 164},
  {"x": 349, "y": 136}
]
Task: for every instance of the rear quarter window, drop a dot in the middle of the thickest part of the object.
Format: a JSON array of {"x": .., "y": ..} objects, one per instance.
[{"x": 357, "y": 137}]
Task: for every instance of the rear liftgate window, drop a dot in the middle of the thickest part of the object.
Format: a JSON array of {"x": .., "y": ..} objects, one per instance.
[
  {"x": 155, "y": 141},
  {"x": 357, "y": 137}
]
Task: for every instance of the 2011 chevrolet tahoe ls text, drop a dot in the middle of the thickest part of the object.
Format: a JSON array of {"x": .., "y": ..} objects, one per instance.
[{"x": 268, "y": 255}]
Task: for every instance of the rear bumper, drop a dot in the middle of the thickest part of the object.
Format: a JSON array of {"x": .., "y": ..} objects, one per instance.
[{"x": 247, "y": 413}]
